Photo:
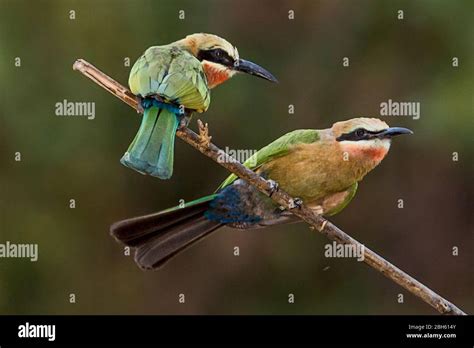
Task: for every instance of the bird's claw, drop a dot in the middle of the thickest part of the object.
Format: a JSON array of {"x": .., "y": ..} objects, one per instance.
[
  {"x": 295, "y": 203},
  {"x": 140, "y": 108},
  {"x": 183, "y": 122},
  {"x": 273, "y": 187},
  {"x": 204, "y": 136}
]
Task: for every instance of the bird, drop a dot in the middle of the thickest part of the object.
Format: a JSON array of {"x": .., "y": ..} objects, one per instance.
[
  {"x": 171, "y": 82},
  {"x": 320, "y": 168}
]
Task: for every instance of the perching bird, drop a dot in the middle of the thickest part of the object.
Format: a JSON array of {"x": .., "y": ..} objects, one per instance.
[
  {"x": 320, "y": 167},
  {"x": 174, "y": 80}
]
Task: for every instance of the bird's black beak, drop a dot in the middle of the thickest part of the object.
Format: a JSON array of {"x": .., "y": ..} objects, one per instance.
[
  {"x": 393, "y": 131},
  {"x": 250, "y": 68}
]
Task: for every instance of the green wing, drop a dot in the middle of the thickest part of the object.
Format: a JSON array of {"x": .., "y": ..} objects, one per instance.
[
  {"x": 172, "y": 73},
  {"x": 351, "y": 193},
  {"x": 278, "y": 148}
]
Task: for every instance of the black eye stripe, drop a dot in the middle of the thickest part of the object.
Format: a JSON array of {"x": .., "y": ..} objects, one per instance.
[
  {"x": 216, "y": 55},
  {"x": 358, "y": 134}
]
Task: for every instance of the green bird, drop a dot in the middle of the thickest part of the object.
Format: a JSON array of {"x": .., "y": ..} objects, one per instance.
[
  {"x": 320, "y": 167},
  {"x": 173, "y": 81}
]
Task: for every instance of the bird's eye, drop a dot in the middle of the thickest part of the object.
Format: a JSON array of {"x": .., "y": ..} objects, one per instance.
[
  {"x": 360, "y": 132},
  {"x": 218, "y": 53}
]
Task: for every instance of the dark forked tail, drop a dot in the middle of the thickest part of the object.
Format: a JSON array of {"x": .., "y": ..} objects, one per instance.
[{"x": 160, "y": 236}]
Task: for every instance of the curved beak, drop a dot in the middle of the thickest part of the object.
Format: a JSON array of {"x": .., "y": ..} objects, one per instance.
[
  {"x": 250, "y": 68},
  {"x": 393, "y": 131}
]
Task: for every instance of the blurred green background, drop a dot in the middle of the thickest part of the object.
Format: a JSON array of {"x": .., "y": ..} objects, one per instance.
[{"x": 72, "y": 157}]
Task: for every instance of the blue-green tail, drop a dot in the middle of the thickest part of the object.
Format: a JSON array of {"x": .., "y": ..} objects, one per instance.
[{"x": 152, "y": 150}]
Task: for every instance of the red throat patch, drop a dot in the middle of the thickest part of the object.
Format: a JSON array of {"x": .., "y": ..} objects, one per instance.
[
  {"x": 375, "y": 153},
  {"x": 215, "y": 76}
]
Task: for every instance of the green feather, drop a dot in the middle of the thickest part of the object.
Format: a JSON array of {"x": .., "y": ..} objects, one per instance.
[
  {"x": 172, "y": 73},
  {"x": 177, "y": 77},
  {"x": 152, "y": 150},
  {"x": 352, "y": 191},
  {"x": 278, "y": 148},
  {"x": 189, "y": 204}
]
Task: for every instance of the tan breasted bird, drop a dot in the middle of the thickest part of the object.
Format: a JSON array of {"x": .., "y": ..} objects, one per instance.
[{"x": 320, "y": 167}]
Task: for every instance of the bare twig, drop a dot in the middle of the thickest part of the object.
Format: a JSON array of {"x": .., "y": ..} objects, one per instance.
[{"x": 202, "y": 143}]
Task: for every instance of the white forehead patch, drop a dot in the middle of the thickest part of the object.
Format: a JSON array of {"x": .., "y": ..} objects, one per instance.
[
  {"x": 371, "y": 124},
  {"x": 222, "y": 43},
  {"x": 231, "y": 50},
  {"x": 236, "y": 53},
  {"x": 374, "y": 127}
]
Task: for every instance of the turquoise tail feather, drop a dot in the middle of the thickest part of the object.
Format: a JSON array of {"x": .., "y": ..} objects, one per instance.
[{"x": 152, "y": 150}]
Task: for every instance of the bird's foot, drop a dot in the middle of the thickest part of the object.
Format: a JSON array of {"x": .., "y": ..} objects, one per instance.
[
  {"x": 273, "y": 187},
  {"x": 140, "y": 108},
  {"x": 204, "y": 136},
  {"x": 295, "y": 203},
  {"x": 183, "y": 122}
]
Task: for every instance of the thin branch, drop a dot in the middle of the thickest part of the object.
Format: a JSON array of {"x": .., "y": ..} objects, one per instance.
[{"x": 202, "y": 143}]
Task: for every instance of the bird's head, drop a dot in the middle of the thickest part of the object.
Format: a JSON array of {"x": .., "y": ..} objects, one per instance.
[
  {"x": 220, "y": 59},
  {"x": 366, "y": 138}
]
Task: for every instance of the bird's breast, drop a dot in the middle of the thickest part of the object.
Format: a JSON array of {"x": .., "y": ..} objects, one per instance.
[{"x": 313, "y": 171}]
